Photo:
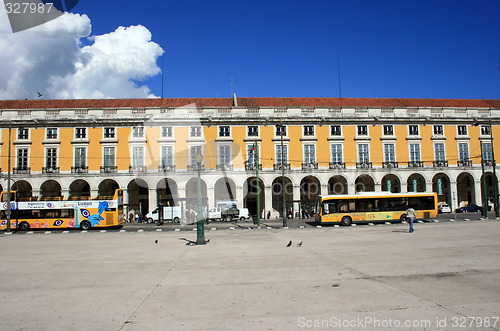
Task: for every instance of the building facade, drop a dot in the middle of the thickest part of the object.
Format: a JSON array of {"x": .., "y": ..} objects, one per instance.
[{"x": 278, "y": 149}]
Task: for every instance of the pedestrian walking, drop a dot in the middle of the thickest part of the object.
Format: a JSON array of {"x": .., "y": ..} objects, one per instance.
[{"x": 410, "y": 216}]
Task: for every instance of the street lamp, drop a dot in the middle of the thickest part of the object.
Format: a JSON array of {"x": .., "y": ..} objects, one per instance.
[
  {"x": 200, "y": 219},
  {"x": 281, "y": 127}
]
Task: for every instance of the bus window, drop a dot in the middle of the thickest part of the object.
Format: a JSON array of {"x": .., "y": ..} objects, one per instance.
[
  {"x": 345, "y": 206},
  {"x": 365, "y": 205},
  {"x": 397, "y": 204},
  {"x": 329, "y": 208},
  {"x": 5, "y": 197}
]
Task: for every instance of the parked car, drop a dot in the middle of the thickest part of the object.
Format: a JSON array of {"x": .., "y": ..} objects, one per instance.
[
  {"x": 444, "y": 208},
  {"x": 470, "y": 208}
]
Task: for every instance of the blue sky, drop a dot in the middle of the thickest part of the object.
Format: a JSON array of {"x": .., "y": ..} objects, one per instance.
[{"x": 407, "y": 49}]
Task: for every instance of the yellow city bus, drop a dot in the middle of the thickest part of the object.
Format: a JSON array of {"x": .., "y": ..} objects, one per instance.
[
  {"x": 374, "y": 207},
  {"x": 58, "y": 214}
]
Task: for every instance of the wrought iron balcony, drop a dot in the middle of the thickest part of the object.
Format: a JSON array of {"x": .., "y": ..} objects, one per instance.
[
  {"x": 280, "y": 166},
  {"x": 166, "y": 167},
  {"x": 440, "y": 164},
  {"x": 390, "y": 164},
  {"x": 464, "y": 163},
  {"x": 224, "y": 167},
  {"x": 310, "y": 166},
  {"x": 251, "y": 166},
  {"x": 137, "y": 169},
  {"x": 364, "y": 165},
  {"x": 415, "y": 164},
  {"x": 337, "y": 165},
  {"x": 80, "y": 170},
  {"x": 50, "y": 170},
  {"x": 108, "y": 169},
  {"x": 195, "y": 167},
  {"x": 22, "y": 170},
  {"x": 489, "y": 163}
]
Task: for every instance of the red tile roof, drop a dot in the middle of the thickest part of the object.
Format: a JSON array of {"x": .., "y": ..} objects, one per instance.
[{"x": 247, "y": 102}]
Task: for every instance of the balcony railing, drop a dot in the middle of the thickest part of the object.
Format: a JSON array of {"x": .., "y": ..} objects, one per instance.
[
  {"x": 464, "y": 163},
  {"x": 390, "y": 164},
  {"x": 309, "y": 165},
  {"x": 337, "y": 165},
  {"x": 440, "y": 164},
  {"x": 251, "y": 166},
  {"x": 137, "y": 169},
  {"x": 280, "y": 166},
  {"x": 364, "y": 165},
  {"x": 109, "y": 169},
  {"x": 489, "y": 163},
  {"x": 415, "y": 164},
  {"x": 224, "y": 167},
  {"x": 22, "y": 170},
  {"x": 166, "y": 167},
  {"x": 80, "y": 170},
  {"x": 50, "y": 170},
  {"x": 195, "y": 167}
]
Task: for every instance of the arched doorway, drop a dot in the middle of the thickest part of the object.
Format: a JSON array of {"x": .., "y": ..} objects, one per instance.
[
  {"x": 192, "y": 193},
  {"x": 441, "y": 185},
  {"x": 465, "y": 189},
  {"x": 107, "y": 188},
  {"x": 167, "y": 192},
  {"x": 391, "y": 183},
  {"x": 250, "y": 195},
  {"x": 224, "y": 189},
  {"x": 310, "y": 189},
  {"x": 415, "y": 183},
  {"x": 490, "y": 182},
  {"x": 79, "y": 190},
  {"x": 50, "y": 190},
  {"x": 24, "y": 190},
  {"x": 337, "y": 185},
  {"x": 138, "y": 196},
  {"x": 278, "y": 191},
  {"x": 364, "y": 183}
]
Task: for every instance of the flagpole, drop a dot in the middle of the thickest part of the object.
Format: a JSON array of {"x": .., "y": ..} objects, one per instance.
[{"x": 256, "y": 162}]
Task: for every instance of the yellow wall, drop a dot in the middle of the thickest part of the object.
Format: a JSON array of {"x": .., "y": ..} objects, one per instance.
[{"x": 239, "y": 146}]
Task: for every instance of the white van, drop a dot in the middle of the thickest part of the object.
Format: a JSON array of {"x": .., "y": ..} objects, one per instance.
[{"x": 170, "y": 213}]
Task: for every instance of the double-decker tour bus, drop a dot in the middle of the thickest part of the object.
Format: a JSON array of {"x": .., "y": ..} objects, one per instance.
[
  {"x": 373, "y": 207},
  {"x": 58, "y": 214}
]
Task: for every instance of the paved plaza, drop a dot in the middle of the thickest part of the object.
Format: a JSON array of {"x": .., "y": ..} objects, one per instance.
[{"x": 444, "y": 276}]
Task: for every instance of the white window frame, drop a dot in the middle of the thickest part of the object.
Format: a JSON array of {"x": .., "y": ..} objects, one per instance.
[
  {"x": 341, "y": 153},
  {"x": 437, "y": 152},
  {"x": 166, "y": 155},
  {"x": 390, "y": 155},
  {"x": 106, "y": 157},
  {"x": 308, "y": 156},
  {"x": 361, "y": 158},
  {"x": 415, "y": 152}
]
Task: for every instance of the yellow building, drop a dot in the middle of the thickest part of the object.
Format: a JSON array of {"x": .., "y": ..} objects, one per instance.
[{"x": 148, "y": 147}]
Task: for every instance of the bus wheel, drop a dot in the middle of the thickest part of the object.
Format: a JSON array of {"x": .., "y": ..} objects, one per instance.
[
  {"x": 402, "y": 218},
  {"x": 346, "y": 221},
  {"x": 85, "y": 225},
  {"x": 24, "y": 226},
  {"x": 176, "y": 220}
]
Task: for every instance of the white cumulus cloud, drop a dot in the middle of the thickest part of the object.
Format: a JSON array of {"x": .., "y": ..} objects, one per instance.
[{"x": 51, "y": 59}]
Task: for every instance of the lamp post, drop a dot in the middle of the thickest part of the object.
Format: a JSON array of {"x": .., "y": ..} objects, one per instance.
[
  {"x": 281, "y": 127},
  {"x": 200, "y": 219}
]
